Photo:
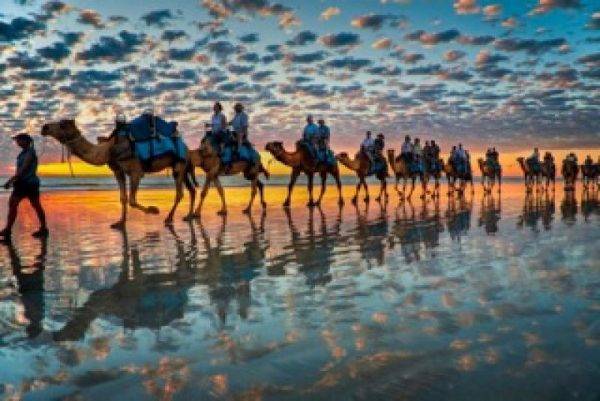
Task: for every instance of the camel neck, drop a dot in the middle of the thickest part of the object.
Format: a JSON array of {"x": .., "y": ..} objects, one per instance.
[{"x": 88, "y": 152}]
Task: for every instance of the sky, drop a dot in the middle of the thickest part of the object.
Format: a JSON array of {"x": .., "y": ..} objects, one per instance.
[{"x": 512, "y": 74}]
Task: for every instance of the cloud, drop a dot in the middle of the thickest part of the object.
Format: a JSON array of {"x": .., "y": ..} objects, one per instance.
[
  {"x": 329, "y": 13},
  {"x": 349, "y": 63},
  {"x": 412, "y": 58},
  {"x": 305, "y": 58},
  {"x": 113, "y": 49},
  {"x": 288, "y": 20},
  {"x": 249, "y": 38},
  {"x": 594, "y": 22},
  {"x": 453, "y": 55},
  {"x": 546, "y": 5},
  {"x": 510, "y": 22},
  {"x": 466, "y": 7},
  {"x": 71, "y": 38},
  {"x": 90, "y": 17},
  {"x": 222, "y": 49},
  {"x": 173, "y": 35},
  {"x": 530, "y": 46},
  {"x": 492, "y": 10},
  {"x": 433, "y": 38},
  {"x": 382, "y": 44},
  {"x": 157, "y": 17},
  {"x": 484, "y": 57},
  {"x": 430, "y": 69},
  {"x": 385, "y": 71},
  {"x": 340, "y": 39},
  {"x": 373, "y": 21},
  {"x": 55, "y": 52},
  {"x": 475, "y": 40},
  {"x": 590, "y": 59},
  {"x": 19, "y": 28},
  {"x": 302, "y": 38},
  {"x": 178, "y": 54}
]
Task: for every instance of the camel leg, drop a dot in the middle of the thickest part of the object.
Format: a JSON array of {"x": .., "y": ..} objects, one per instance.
[
  {"x": 396, "y": 185},
  {"x": 261, "y": 192},
  {"x": 338, "y": 183},
  {"x": 121, "y": 180},
  {"x": 203, "y": 194},
  {"x": 355, "y": 197},
  {"x": 366, "y": 187},
  {"x": 293, "y": 178},
  {"x": 253, "y": 191},
  {"x": 178, "y": 175},
  {"x": 423, "y": 179},
  {"x": 311, "y": 201},
  {"x": 499, "y": 183},
  {"x": 192, "y": 191},
  {"x": 323, "y": 187},
  {"x": 412, "y": 187},
  {"x": 134, "y": 184},
  {"x": 223, "y": 210}
]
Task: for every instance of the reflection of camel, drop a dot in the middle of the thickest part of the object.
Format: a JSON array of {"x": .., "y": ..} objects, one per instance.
[
  {"x": 531, "y": 177},
  {"x": 590, "y": 204},
  {"x": 489, "y": 174},
  {"x": 371, "y": 235},
  {"x": 228, "y": 274},
  {"x": 30, "y": 284},
  {"x": 490, "y": 213},
  {"x": 209, "y": 160},
  {"x": 458, "y": 219},
  {"x": 590, "y": 173},
  {"x": 536, "y": 208},
  {"x": 301, "y": 162},
  {"x": 568, "y": 208},
  {"x": 412, "y": 231},
  {"x": 67, "y": 133},
  {"x": 569, "y": 171},
  {"x": 361, "y": 165},
  {"x": 312, "y": 251},
  {"x": 402, "y": 171}
]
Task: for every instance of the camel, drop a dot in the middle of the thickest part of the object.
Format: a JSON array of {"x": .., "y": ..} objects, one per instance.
[
  {"x": 489, "y": 174},
  {"x": 590, "y": 174},
  {"x": 207, "y": 158},
  {"x": 549, "y": 172},
  {"x": 360, "y": 165},
  {"x": 531, "y": 177},
  {"x": 67, "y": 133},
  {"x": 452, "y": 176},
  {"x": 435, "y": 173},
  {"x": 569, "y": 170},
  {"x": 402, "y": 171},
  {"x": 301, "y": 162}
]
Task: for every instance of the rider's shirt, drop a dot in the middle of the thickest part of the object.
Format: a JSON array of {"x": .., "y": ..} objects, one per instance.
[
  {"x": 310, "y": 132},
  {"x": 407, "y": 148},
  {"x": 217, "y": 122},
  {"x": 368, "y": 144},
  {"x": 239, "y": 122},
  {"x": 323, "y": 136},
  {"x": 417, "y": 150}
]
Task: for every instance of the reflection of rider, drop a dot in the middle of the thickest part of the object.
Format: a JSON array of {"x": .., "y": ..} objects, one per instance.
[{"x": 30, "y": 281}]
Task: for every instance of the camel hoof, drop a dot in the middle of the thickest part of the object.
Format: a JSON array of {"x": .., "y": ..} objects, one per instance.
[
  {"x": 152, "y": 210},
  {"x": 246, "y": 210},
  {"x": 341, "y": 202},
  {"x": 222, "y": 212},
  {"x": 264, "y": 205},
  {"x": 169, "y": 222},
  {"x": 367, "y": 199},
  {"x": 354, "y": 200},
  {"x": 286, "y": 204},
  {"x": 189, "y": 217},
  {"x": 378, "y": 199},
  {"x": 120, "y": 225},
  {"x": 310, "y": 204}
]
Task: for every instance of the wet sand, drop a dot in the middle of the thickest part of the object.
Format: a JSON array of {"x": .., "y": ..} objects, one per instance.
[{"x": 481, "y": 298}]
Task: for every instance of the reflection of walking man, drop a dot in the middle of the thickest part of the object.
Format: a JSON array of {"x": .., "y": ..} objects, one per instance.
[
  {"x": 26, "y": 184},
  {"x": 30, "y": 282}
]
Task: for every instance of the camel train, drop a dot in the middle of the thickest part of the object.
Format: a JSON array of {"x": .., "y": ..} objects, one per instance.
[{"x": 115, "y": 151}]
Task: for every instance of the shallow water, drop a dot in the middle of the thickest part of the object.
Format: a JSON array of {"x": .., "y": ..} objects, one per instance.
[{"x": 493, "y": 298}]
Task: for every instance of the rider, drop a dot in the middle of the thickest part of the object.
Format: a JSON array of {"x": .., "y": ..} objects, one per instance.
[
  {"x": 218, "y": 122},
  {"x": 418, "y": 154},
  {"x": 407, "y": 149},
  {"x": 239, "y": 123},
  {"x": 120, "y": 126},
  {"x": 367, "y": 146},
  {"x": 378, "y": 148},
  {"x": 460, "y": 158},
  {"x": 589, "y": 161},
  {"x": 534, "y": 160},
  {"x": 323, "y": 137},
  {"x": 310, "y": 134}
]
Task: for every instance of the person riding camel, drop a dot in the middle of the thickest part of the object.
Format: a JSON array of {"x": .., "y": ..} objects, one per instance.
[
  {"x": 406, "y": 151},
  {"x": 367, "y": 146},
  {"x": 417, "y": 156},
  {"x": 534, "y": 161},
  {"x": 309, "y": 136},
  {"x": 323, "y": 138},
  {"x": 588, "y": 161},
  {"x": 458, "y": 158},
  {"x": 378, "y": 162},
  {"x": 239, "y": 123},
  {"x": 219, "y": 134}
]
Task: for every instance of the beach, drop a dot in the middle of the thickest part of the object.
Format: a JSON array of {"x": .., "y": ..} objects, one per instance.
[{"x": 475, "y": 298}]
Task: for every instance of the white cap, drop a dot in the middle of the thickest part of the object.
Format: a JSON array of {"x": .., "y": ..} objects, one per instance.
[
  {"x": 121, "y": 118},
  {"x": 149, "y": 111}
]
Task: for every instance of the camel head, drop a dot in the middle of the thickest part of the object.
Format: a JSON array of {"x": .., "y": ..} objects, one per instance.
[
  {"x": 275, "y": 148},
  {"x": 63, "y": 131}
]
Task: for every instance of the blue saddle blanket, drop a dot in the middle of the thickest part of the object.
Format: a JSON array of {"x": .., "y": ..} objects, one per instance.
[
  {"x": 146, "y": 127},
  {"x": 378, "y": 165},
  {"x": 160, "y": 146},
  {"x": 326, "y": 157},
  {"x": 416, "y": 166}
]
